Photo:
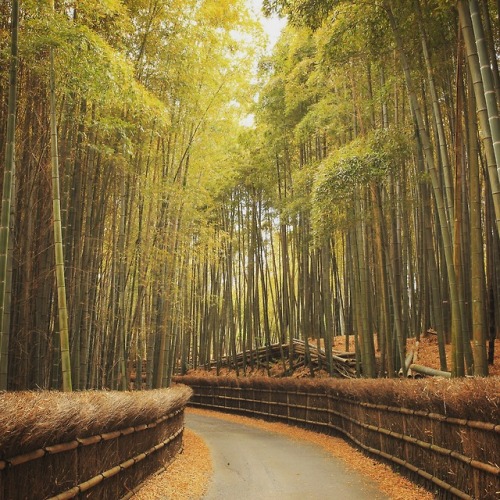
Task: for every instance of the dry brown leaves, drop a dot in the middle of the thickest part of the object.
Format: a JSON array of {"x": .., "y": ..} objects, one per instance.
[
  {"x": 428, "y": 353},
  {"x": 188, "y": 476}
]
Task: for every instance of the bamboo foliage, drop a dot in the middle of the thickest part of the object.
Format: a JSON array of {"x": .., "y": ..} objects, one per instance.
[{"x": 350, "y": 206}]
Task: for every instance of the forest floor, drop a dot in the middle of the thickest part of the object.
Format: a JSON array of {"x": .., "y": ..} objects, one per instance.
[{"x": 427, "y": 355}]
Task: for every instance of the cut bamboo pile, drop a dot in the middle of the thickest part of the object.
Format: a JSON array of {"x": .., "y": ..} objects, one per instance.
[
  {"x": 414, "y": 369},
  {"x": 343, "y": 363}
]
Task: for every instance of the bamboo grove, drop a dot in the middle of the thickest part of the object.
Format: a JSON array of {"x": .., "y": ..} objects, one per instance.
[{"x": 362, "y": 200}]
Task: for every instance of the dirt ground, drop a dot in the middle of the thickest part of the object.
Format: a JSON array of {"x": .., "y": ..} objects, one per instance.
[
  {"x": 428, "y": 355},
  {"x": 188, "y": 477},
  {"x": 427, "y": 351}
]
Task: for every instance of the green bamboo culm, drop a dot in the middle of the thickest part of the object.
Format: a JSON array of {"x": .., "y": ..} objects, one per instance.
[
  {"x": 481, "y": 105},
  {"x": 487, "y": 75},
  {"x": 9, "y": 172},
  {"x": 58, "y": 244}
]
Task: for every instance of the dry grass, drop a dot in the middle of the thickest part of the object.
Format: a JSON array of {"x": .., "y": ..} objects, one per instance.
[{"x": 32, "y": 420}]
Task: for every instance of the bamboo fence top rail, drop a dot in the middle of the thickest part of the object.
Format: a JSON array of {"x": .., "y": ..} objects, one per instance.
[{"x": 477, "y": 424}]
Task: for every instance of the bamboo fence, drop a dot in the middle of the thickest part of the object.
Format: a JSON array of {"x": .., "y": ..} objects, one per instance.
[
  {"x": 454, "y": 457},
  {"x": 106, "y": 465},
  {"x": 343, "y": 363}
]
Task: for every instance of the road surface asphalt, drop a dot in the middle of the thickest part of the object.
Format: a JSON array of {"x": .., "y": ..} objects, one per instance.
[{"x": 250, "y": 463}]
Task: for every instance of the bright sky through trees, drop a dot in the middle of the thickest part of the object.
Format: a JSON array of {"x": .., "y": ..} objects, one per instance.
[{"x": 272, "y": 25}]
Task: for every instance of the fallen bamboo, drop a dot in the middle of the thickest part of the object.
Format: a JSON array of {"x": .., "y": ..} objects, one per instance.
[{"x": 425, "y": 370}]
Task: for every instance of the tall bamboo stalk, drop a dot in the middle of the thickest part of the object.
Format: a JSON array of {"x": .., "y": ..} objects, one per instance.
[
  {"x": 433, "y": 173},
  {"x": 9, "y": 172},
  {"x": 481, "y": 106},
  {"x": 438, "y": 117},
  {"x": 488, "y": 81},
  {"x": 476, "y": 250},
  {"x": 58, "y": 240}
]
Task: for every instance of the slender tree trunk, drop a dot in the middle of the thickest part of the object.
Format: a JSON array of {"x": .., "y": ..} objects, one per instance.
[
  {"x": 8, "y": 181},
  {"x": 385, "y": 333},
  {"x": 479, "y": 332},
  {"x": 327, "y": 302},
  {"x": 429, "y": 160},
  {"x": 491, "y": 45},
  {"x": 58, "y": 240},
  {"x": 487, "y": 76},
  {"x": 436, "y": 109},
  {"x": 481, "y": 104},
  {"x": 367, "y": 344}
]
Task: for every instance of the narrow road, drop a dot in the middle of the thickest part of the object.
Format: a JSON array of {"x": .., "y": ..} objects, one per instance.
[{"x": 251, "y": 463}]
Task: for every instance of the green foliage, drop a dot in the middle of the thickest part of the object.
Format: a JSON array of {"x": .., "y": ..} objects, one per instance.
[
  {"x": 361, "y": 162},
  {"x": 302, "y": 12},
  {"x": 354, "y": 32}
]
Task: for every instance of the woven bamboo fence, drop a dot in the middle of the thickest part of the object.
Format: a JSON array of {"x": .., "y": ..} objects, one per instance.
[
  {"x": 107, "y": 449},
  {"x": 454, "y": 457}
]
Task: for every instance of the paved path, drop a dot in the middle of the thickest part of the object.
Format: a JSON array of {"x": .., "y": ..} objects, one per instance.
[{"x": 251, "y": 463}]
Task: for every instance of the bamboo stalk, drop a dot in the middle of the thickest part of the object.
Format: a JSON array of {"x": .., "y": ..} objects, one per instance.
[
  {"x": 8, "y": 181},
  {"x": 425, "y": 370},
  {"x": 58, "y": 241}
]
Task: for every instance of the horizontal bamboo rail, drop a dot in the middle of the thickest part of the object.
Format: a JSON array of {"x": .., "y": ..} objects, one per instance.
[{"x": 381, "y": 430}]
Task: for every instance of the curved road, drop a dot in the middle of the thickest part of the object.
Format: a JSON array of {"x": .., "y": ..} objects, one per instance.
[{"x": 251, "y": 463}]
